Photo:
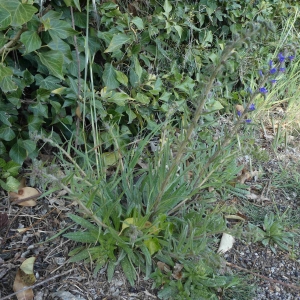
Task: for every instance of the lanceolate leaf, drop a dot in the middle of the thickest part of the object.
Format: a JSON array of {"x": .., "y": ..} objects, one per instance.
[
  {"x": 109, "y": 77},
  {"x": 31, "y": 41},
  {"x": 53, "y": 60},
  {"x": 117, "y": 42}
]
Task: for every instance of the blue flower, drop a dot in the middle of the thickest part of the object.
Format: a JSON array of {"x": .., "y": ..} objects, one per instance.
[
  {"x": 273, "y": 81},
  {"x": 281, "y": 57},
  {"x": 281, "y": 69},
  {"x": 252, "y": 107},
  {"x": 270, "y": 63},
  {"x": 248, "y": 121},
  {"x": 273, "y": 71},
  {"x": 239, "y": 113},
  {"x": 263, "y": 90},
  {"x": 260, "y": 73},
  {"x": 291, "y": 57}
]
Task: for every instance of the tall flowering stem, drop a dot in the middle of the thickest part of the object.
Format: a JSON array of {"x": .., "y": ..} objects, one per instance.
[{"x": 228, "y": 51}]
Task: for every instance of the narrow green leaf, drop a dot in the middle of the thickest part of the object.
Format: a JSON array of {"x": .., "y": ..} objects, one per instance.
[
  {"x": 137, "y": 67},
  {"x": 129, "y": 270},
  {"x": 83, "y": 222},
  {"x": 110, "y": 270},
  {"x": 117, "y": 42},
  {"x": 82, "y": 237},
  {"x": 31, "y": 41},
  {"x": 53, "y": 60}
]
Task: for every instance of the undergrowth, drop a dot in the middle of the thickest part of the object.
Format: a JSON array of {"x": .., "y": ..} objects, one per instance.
[{"x": 155, "y": 150}]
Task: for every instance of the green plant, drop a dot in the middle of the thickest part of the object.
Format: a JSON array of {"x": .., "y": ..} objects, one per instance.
[{"x": 8, "y": 173}]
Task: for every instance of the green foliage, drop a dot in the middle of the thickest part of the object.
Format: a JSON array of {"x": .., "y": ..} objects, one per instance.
[
  {"x": 8, "y": 171},
  {"x": 138, "y": 98}
]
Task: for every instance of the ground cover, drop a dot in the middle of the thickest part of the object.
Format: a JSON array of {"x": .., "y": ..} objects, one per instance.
[{"x": 146, "y": 144}]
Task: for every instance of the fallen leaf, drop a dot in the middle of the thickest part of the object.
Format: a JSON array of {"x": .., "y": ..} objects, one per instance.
[
  {"x": 25, "y": 197},
  {"x": 163, "y": 267},
  {"x": 226, "y": 243},
  {"x": 3, "y": 220},
  {"x": 177, "y": 274},
  {"x": 25, "y": 278}
]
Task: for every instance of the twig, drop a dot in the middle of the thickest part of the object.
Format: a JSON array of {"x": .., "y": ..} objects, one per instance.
[
  {"x": 34, "y": 197},
  {"x": 35, "y": 285},
  {"x": 265, "y": 278},
  {"x": 13, "y": 41}
]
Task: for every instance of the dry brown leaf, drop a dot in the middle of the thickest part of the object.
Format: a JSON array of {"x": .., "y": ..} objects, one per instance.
[
  {"x": 177, "y": 274},
  {"x": 25, "y": 197},
  {"x": 25, "y": 278},
  {"x": 163, "y": 267},
  {"x": 239, "y": 108}
]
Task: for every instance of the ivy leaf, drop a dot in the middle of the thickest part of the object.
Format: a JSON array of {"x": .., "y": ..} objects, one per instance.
[
  {"x": 8, "y": 85},
  {"x": 49, "y": 83},
  {"x": 29, "y": 145},
  {"x": 61, "y": 28},
  {"x": 117, "y": 42},
  {"x": 5, "y": 71},
  {"x": 20, "y": 13},
  {"x": 31, "y": 41},
  {"x": 4, "y": 118},
  {"x": 6, "y": 133},
  {"x": 5, "y": 18},
  {"x": 53, "y": 60},
  {"x": 17, "y": 153},
  {"x": 109, "y": 77}
]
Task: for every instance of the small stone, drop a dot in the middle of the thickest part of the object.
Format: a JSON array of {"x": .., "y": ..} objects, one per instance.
[{"x": 277, "y": 288}]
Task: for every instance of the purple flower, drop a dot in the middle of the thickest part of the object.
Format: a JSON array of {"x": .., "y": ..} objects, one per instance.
[
  {"x": 252, "y": 107},
  {"x": 273, "y": 81},
  {"x": 291, "y": 57},
  {"x": 248, "y": 121},
  {"x": 281, "y": 58},
  {"x": 273, "y": 71},
  {"x": 239, "y": 113},
  {"x": 263, "y": 90},
  {"x": 270, "y": 63},
  {"x": 281, "y": 69},
  {"x": 260, "y": 73}
]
